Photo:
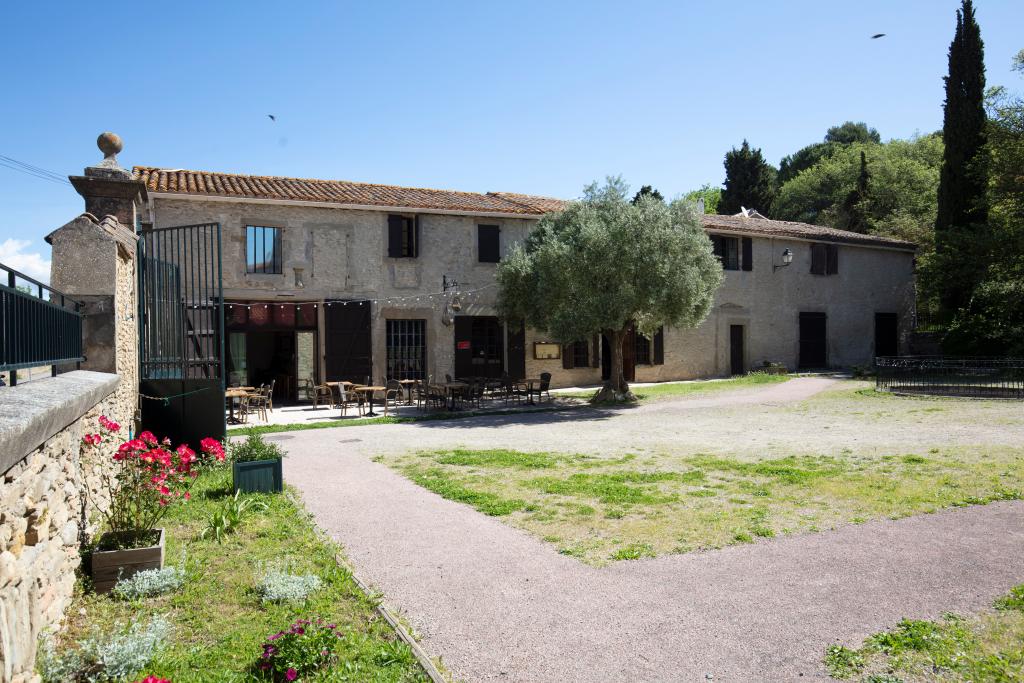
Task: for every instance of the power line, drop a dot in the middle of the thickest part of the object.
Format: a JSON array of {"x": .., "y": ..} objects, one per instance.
[{"x": 34, "y": 171}]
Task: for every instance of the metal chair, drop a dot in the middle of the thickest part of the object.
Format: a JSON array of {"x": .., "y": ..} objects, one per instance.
[
  {"x": 542, "y": 388},
  {"x": 319, "y": 391}
]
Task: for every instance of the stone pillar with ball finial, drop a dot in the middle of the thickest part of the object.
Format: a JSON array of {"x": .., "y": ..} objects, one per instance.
[{"x": 108, "y": 189}]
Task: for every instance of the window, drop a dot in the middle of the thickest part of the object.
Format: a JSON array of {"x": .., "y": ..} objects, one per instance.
[
  {"x": 403, "y": 236},
  {"x": 262, "y": 250},
  {"x": 406, "y": 347},
  {"x": 488, "y": 246},
  {"x": 824, "y": 259},
  {"x": 643, "y": 350},
  {"x": 576, "y": 355},
  {"x": 727, "y": 249}
]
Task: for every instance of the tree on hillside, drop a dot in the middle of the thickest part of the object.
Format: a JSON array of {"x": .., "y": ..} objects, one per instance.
[
  {"x": 854, "y": 209},
  {"x": 962, "y": 212},
  {"x": 602, "y": 264},
  {"x": 711, "y": 195},
  {"x": 749, "y": 181},
  {"x": 836, "y": 137},
  {"x": 647, "y": 191}
]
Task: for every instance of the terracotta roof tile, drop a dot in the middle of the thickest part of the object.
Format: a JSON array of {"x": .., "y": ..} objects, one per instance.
[{"x": 773, "y": 228}]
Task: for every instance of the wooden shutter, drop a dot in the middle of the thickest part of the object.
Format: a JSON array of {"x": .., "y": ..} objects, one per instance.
[
  {"x": 832, "y": 259},
  {"x": 717, "y": 247},
  {"x": 748, "y": 254},
  {"x": 347, "y": 341},
  {"x": 659, "y": 347},
  {"x": 818, "y": 259},
  {"x": 488, "y": 244},
  {"x": 567, "y": 357},
  {"x": 516, "y": 349},
  {"x": 395, "y": 224},
  {"x": 414, "y": 239}
]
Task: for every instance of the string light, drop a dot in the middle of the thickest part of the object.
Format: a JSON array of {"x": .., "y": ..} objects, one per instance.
[{"x": 390, "y": 301}]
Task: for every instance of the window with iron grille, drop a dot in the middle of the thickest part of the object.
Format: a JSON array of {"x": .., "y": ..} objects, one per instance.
[
  {"x": 643, "y": 350},
  {"x": 580, "y": 354},
  {"x": 406, "y": 349},
  {"x": 262, "y": 250},
  {"x": 727, "y": 249}
]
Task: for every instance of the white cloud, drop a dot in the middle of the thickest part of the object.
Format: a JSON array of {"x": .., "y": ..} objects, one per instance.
[{"x": 31, "y": 263}]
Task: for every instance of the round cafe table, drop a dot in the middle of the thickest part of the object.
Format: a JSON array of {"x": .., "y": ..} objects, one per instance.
[{"x": 369, "y": 397}]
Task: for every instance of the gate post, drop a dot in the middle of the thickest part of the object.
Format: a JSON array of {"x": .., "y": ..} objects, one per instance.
[{"x": 93, "y": 260}]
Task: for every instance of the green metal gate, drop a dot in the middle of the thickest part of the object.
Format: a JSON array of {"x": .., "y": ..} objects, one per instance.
[{"x": 181, "y": 332}]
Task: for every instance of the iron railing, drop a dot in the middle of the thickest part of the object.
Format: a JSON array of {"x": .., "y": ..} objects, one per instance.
[
  {"x": 951, "y": 376},
  {"x": 38, "y": 325}
]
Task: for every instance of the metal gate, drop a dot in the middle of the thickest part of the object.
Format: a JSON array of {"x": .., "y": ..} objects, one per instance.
[{"x": 181, "y": 332}]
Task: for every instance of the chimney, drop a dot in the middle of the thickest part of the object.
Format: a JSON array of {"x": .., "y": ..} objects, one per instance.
[{"x": 108, "y": 189}]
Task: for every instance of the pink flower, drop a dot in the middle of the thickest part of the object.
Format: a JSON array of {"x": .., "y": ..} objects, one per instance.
[
  {"x": 291, "y": 674},
  {"x": 148, "y": 438}
]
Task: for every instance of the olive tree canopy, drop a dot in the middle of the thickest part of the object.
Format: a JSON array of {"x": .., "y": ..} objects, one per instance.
[{"x": 603, "y": 263}]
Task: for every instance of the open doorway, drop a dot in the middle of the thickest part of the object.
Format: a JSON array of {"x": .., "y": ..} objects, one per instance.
[{"x": 273, "y": 344}]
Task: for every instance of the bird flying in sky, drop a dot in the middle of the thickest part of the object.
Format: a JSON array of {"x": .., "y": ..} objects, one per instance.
[
  {"x": 874, "y": 37},
  {"x": 272, "y": 117}
]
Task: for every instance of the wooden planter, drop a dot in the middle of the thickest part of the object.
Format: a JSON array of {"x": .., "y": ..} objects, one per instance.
[
  {"x": 258, "y": 476},
  {"x": 110, "y": 566}
]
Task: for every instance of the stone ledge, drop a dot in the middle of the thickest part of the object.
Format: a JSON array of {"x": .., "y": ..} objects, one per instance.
[{"x": 31, "y": 413}]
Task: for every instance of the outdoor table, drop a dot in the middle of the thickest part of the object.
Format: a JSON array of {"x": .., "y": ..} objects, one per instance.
[
  {"x": 369, "y": 397},
  {"x": 452, "y": 388},
  {"x": 530, "y": 382},
  {"x": 407, "y": 386},
  {"x": 332, "y": 386},
  {"x": 231, "y": 395}
]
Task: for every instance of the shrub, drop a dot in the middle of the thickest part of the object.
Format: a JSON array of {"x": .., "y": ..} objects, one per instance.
[
  {"x": 280, "y": 585},
  {"x": 254, "y": 448},
  {"x": 149, "y": 582},
  {"x": 842, "y": 662},
  {"x": 304, "y": 649},
  {"x": 1012, "y": 601},
  {"x": 113, "y": 657}
]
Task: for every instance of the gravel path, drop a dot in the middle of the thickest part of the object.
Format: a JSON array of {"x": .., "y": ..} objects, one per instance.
[{"x": 497, "y": 604}]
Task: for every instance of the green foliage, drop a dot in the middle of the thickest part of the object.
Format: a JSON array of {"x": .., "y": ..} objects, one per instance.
[
  {"x": 307, "y": 648},
  {"x": 1014, "y": 600},
  {"x": 604, "y": 262},
  {"x": 618, "y": 488},
  {"x": 149, "y": 582},
  {"x": 436, "y": 480},
  {"x": 842, "y": 662},
  {"x": 114, "y": 656},
  {"x": 499, "y": 458},
  {"x": 750, "y": 182},
  {"x": 962, "y": 201},
  {"x": 279, "y": 584},
  {"x": 253, "y": 448},
  {"x": 633, "y": 551},
  {"x": 647, "y": 191},
  {"x": 226, "y": 519},
  {"x": 836, "y": 137},
  {"x": 850, "y": 132},
  {"x": 711, "y": 194}
]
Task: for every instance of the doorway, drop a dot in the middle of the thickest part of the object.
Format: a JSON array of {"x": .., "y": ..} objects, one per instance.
[
  {"x": 887, "y": 334},
  {"x": 813, "y": 340},
  {"x": 479, "y": 347},
  {"x": 737, "y": 366}
]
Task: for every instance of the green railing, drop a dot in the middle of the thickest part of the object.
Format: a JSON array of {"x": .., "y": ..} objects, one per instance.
[{"x": 39, "y": 326}]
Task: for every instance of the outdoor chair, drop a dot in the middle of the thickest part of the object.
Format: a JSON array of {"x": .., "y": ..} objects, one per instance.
[
  {"x": 347, "y": 398},
  {"x": 319, "y": 393},
  {"x": 542, "y": 388},
  {"x": 257, "y": 402},
  {"x": 270, "y": 396},
  {"x": 393, "y": 392},
  {"x": 513, "y": 389}
]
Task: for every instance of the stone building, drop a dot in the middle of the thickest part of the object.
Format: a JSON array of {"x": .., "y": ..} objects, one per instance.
[{"x": 341, "y": 280}]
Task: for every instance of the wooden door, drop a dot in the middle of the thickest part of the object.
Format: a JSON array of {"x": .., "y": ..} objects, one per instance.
[
  {"x": 887, "y": 334},
  {"x": 813, "y": 340},
  {"x": 736, "y": 355},
  {"x": 347, "y": 341}
]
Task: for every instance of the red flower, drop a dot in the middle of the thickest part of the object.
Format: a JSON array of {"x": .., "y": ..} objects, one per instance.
[{"x": 148, "y": 438}]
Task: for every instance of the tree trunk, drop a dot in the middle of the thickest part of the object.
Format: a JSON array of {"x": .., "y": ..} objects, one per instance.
[{"x": 615, "y": 389}]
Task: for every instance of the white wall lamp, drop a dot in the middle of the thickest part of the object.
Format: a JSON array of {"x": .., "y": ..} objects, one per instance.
[{"x": 787, "y": 258}]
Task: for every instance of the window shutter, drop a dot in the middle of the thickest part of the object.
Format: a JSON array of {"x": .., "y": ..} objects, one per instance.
[
  {"x": 395, "y": 236},
  {"x": 567, "y": 357},
  {"x": 415, "y": 250},
  {"x": 488, "y": 245},
  {"x": 595, "y": 351},
  {"x": 717, "y": 247},
  {"x": 748, "y": 254},
  {"x": 659, "y": 347},
  {"x": 833, "y": 259},
  {"x": 818, "y": 259}
]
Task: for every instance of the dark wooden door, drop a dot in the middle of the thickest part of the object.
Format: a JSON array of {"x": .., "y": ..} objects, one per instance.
[
  {"x": 736, "y": 364},
  {"x": 887, "y": 334},
  {"x": 628, "y": 357},
  {"x": 516, "y": 350},
  {"x": 479, "y": 347},
  {"x": 813, "y": 340},
  {"x": 347, "y": 340}
]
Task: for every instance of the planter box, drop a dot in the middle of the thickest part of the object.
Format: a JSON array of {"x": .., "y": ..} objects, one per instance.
[
  {"x": 108, "y": 566},
  {"x": 258, "y": 476}
]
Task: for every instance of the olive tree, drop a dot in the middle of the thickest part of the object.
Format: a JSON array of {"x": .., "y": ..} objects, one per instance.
[{"x": 602, "y": 264}]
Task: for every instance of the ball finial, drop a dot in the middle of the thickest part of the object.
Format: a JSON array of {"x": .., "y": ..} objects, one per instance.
[{"x": 110, "y": 144}]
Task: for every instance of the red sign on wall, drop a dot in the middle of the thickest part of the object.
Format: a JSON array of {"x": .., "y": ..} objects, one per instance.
[{"x": 462, "y": 345}]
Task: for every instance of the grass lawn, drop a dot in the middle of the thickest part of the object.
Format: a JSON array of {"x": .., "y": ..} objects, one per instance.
[
  {"x": 676, "y": 389},
  {"x": 987, "y": 647},
  {"x": 219, "y": 623},
  {"x": 624, "y": 503}
]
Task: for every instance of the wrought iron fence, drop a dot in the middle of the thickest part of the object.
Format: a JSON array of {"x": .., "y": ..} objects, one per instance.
[
  {"x": 38, "y": 325},
  {"x": 951, "y": 376}
]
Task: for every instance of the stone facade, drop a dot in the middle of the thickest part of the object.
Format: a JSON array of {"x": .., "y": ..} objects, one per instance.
[{"x": 341, "y": 253}]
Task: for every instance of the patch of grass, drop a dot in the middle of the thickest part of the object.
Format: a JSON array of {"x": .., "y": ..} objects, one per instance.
[
  {"x": 788, "y": 470},
  {"x": 488, "y": 503},
  {"x": 677, "y": 389},
  {"x": 218, "y": 621},
  {"x": 1014, "y": 600},
  {"x": 498, "y": 458},
  {"x": 633, "y": 551},
  {"x": 987, "y": 647},
  {"x": 622, "y": 488}
]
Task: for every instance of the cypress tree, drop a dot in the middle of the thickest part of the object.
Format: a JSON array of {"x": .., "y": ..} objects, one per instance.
[
  {"x": 854, "y": 209},
  {"x": 962, "y": 209},
  {"x": 750, "y": 181}
]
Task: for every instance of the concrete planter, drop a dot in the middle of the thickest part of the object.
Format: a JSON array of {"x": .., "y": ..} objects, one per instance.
[
  {"x": 109, "y": 566},
  {"x": 258, "y": 476}
]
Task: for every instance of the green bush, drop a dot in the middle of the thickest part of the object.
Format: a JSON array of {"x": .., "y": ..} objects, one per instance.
[{"x": 254, "y": 448}]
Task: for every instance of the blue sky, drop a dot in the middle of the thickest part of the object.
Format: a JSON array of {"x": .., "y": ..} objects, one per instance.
[{"x": 537, "y": 97}]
